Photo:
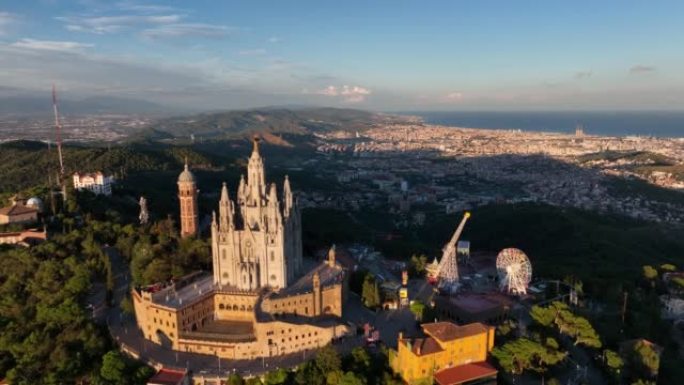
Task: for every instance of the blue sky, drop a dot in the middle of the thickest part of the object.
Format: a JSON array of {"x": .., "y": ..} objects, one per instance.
[{"x": 385, "y": 55}]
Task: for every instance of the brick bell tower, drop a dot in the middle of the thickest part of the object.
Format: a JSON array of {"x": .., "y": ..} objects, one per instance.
[{"x": 187, "y": 195}]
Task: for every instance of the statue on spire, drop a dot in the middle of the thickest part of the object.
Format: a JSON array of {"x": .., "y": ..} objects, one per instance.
[{"x": 255, "y": 146}]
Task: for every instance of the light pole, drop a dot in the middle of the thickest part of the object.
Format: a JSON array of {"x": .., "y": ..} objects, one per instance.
[{"x": 219, "y": 363}]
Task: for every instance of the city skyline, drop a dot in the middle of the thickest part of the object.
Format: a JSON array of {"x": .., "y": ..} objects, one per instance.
[{"x": 384, "y": 56}]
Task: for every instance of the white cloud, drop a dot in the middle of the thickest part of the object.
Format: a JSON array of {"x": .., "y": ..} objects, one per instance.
[
  {"x": 187, "y": 29},
  {"x": 354, "y": 94},
  {"x": 6, "y": 19},
  {"x": 454, "y": 96},
  {"x": 349, "y": 94},
  {"x": 274, "y": 39},
  {"x": 328, "y": 91},
  {"x": 51, "y": 45},
  {"x": 112, "y": 24},
  {"x": 143, "y": 8},
  {"x": 252, "y": 52}
]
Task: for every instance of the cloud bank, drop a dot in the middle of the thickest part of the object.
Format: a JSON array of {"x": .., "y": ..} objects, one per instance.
[
  {"x": 348, "y": 94},
  {"x": 51, "y": 45}
]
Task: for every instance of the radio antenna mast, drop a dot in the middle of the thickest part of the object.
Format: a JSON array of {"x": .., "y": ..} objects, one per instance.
[{"x": 58, "y": 131}]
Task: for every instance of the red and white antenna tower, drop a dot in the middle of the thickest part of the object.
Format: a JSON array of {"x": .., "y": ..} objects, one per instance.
[{"x": 58, "y": 131}]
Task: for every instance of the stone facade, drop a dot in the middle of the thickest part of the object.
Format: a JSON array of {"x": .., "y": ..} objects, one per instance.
[
  {"x": 195, "y": 315},
  {"x": 96, "y": 182},
  {"x": 239, "y": 311},
  {"x": 258, "y": 242}
]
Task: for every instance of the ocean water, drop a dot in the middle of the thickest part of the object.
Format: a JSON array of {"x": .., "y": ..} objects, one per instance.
[{"x": 618, "y": 123}]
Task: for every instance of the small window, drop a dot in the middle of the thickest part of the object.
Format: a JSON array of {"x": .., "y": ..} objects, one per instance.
[{"x": 273, "y": 277}]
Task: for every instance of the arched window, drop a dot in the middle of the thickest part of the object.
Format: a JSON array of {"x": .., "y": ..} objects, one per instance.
[
  {"x": 273, "y": 277},
  {"x": 225, "y": 275},
  {"x": 221, "y": 306},
  {"x": 272, "y": 256}
]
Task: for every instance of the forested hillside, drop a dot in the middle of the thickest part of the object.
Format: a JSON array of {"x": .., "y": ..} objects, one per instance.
[
  {"x": 233, "y": 124},
  {"x": 24, "y": 164}
]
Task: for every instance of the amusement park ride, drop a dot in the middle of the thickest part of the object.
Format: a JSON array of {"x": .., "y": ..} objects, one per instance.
[
  {"x": 447, "y": 272},
  {"x": 514, "y": 269}
]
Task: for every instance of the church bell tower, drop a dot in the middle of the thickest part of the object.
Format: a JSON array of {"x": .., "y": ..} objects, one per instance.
[{"x": 187, "y": 195}]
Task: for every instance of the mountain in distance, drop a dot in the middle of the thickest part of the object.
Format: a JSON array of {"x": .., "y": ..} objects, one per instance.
[
  {"x": 271, "y": 120},
  {"x": 41, "y": 106}
]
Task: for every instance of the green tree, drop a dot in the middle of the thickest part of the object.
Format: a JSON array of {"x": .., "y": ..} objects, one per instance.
[
  {"x": 276, "y": 377},
  {"x": 370, "y": 292},
  {"x": 349, "y": 378},
  {"x": 418, "y": 309},
  {"x": 650, "y": 273},
  {"x": 523, "y": 354},
  {"x": 328, "y": 360},
  {"x": 417, "y": 265},
  {"x": 235, "y": 379},
  {"x": 127, "y": 305},
  {"x": 113, "y": 367},
  {"x": 644, "y": 359},
  {"x": 613, "y": 361},
  {"x": 158, "y": 270},
  {"x": 309, "y": 374},
  {"x": 668, "y": 267},
  {"x": 360, "y": 361},
  {"x": 559, "y": 315}
]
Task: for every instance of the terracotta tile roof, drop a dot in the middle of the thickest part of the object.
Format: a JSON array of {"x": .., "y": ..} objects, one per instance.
[
  {"x": 424, "y": 346},
  {"x": 167, "y": 377},
  {"x": 17, "y": 210},
  {"x": 447, "y": 331},
  {"x": 464, "y": 373}
]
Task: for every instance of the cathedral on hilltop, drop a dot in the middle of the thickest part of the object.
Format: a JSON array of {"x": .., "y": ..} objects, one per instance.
[
  {"x": 258, "y": 300},
  {"x": 258, "y": 242}
]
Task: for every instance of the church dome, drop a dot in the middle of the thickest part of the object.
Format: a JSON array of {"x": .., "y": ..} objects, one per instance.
[{"x": 186, "y": 175}]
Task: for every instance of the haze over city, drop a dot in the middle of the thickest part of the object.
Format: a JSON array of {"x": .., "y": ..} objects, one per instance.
[{"x": 386, "y": 55}]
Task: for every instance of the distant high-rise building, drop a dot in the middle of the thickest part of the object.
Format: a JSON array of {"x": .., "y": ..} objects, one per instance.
[
  {"x": 187, "y": 195},
  {"x": 579, "y": 131}
]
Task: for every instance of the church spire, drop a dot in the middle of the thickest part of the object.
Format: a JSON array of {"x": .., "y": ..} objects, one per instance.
[
  {"x": 241, "y": 190},
  {"x": 272, "y": 194},
  {"x": 224, "y": 193},
  {"x": 287, "y": 197},
  {"x": 256, "y": 178},
  {"x": 225, "y": 209}
]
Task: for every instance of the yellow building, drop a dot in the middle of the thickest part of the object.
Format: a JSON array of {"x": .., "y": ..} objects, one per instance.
[{"x": 445, "y": 347}]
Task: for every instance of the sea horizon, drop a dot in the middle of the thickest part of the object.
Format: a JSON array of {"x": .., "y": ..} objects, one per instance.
[{"x": 665, "y": 124}]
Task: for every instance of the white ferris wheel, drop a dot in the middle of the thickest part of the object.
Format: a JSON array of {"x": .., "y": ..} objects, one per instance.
[{"x": 514, "y": 270}]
